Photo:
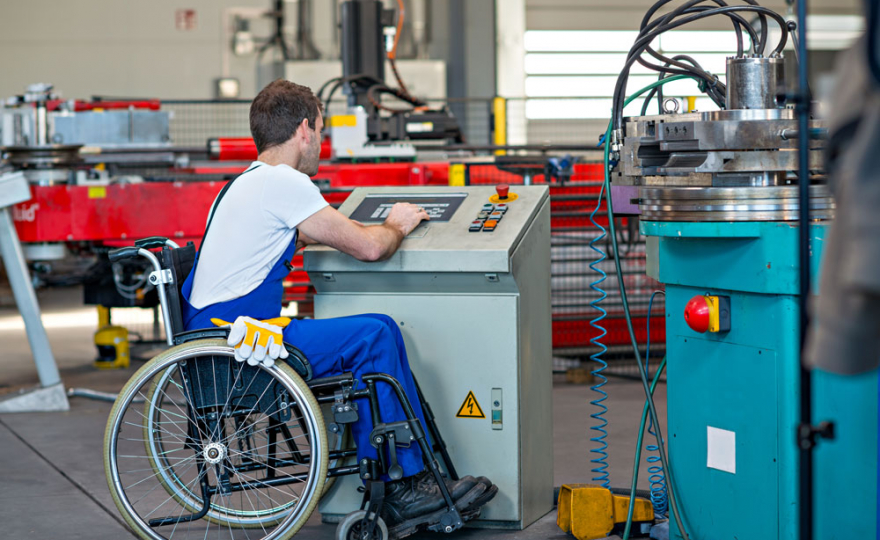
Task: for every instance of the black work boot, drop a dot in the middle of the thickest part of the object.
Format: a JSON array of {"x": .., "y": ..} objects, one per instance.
[
  {"x": 457, "y": 488},
  {"x": 488, "y": 495},
  {"x": 409, "y": 498},
  {"x": 416, "y": 502}
]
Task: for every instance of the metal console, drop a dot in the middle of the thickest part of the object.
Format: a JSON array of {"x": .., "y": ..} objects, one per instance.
[{"x": 474, "y": 310}]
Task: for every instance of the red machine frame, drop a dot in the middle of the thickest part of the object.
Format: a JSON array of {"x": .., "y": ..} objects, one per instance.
[{"x": 117, "y": 214}]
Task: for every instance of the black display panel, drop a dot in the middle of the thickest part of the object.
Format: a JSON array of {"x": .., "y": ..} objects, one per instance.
[{"x": 440, "y": 207}]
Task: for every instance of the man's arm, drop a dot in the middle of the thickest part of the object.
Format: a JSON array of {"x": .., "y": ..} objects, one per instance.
[
  {"x": 365, "y": 243},
  {"x": 303, "y": 240}
]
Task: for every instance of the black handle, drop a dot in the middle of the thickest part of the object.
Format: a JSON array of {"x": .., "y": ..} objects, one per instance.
[
  {"x": 117, "y": 255},
  {"x": 152, "y": 242}
]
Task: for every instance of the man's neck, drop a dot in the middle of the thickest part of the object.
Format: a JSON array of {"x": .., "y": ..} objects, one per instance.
[{"x": 279, "y": 155}]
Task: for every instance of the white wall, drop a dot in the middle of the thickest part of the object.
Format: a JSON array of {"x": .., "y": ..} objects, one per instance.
[{"x": 118, "y": 47}]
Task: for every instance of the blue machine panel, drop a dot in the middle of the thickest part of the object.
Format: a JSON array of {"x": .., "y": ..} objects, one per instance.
[
  {"x": 746, "y": 381},
  {"x": 732, "y": 388}
]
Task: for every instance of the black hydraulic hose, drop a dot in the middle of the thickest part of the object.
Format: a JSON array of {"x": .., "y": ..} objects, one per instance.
[
  {"x": 644, "y": 41},
  {"x": 713, "y": 87},
  {"x": 753, "y": 36},
  {"x": 339, "y": 81},
  {"x": 659, "y": 89},
  {"x": 656, "y": 28},
  {"x": 758, "y": 45},
  {"x": 647, "y": 24},
  {"x": 320, "y": 93}
]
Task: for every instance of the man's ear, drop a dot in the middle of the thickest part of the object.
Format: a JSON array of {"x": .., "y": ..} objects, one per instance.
[{"x": 304, "y": 125}]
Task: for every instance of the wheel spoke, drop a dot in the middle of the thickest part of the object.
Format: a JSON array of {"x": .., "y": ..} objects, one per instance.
[{"x": 255, "y": 446}]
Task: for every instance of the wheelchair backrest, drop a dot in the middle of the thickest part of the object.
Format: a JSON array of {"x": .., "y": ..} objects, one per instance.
[{"x": 180, "y": 262}]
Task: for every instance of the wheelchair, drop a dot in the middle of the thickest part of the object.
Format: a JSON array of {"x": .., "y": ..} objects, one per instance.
[{"x": 198, "y": 444}]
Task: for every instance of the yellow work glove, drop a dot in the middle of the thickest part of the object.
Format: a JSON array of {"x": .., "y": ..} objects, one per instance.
[{"x": 256, "y": 341}]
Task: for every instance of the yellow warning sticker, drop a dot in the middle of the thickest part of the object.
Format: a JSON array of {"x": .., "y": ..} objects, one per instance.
[
  {"x": 97, "y": 192},
  {"x": 470, "y": 408}
]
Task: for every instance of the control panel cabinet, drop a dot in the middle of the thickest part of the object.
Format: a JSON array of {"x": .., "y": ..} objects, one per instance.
[{"x": 470, "y": 291}]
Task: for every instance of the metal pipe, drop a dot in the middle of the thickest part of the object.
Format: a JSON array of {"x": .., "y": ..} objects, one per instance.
[
  {"x": 752, "y": 82},
  {"x": 96, "y": 395},
  {"x": 805, "y": 462},
  {"x": 26, "y": 300},
  {"x": 41, "y": 125},
  {"x": 163, "y": 299}
]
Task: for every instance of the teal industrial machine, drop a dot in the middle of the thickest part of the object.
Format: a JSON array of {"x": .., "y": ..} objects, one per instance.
[{"x": 717, "y": 194}]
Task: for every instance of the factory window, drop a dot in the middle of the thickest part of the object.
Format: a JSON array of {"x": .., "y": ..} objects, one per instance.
[{"x": 571, "y": 74}]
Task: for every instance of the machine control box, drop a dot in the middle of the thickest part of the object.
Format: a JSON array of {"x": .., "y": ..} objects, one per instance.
[
  {"x": 472, "y": 258},
  {"x": 447, "y": 242}
]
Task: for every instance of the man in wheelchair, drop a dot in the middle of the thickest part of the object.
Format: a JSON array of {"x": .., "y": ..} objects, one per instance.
[{"x": 255, "y": 227}]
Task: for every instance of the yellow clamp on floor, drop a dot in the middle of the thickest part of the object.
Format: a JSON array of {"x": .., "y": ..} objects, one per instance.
[{"x": 588, "y": 511}]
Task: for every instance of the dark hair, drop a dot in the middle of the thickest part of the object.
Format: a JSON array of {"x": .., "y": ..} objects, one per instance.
[{"x": 278, "y": 110}]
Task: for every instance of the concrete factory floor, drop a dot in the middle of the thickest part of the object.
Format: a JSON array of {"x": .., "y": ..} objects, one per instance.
[{"x": 52, "y": 482}]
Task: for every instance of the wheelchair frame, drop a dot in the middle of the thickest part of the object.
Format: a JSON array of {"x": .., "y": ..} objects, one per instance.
[{"x": 170, "y": 267}]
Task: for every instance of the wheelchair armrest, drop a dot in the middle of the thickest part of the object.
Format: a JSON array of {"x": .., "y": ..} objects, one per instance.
[
  {"x": 331, "y": 384},
  {"x": 220, "y": 332},
  {"x": 151, "y": 242},
  {"x": 298, "y": 361}
]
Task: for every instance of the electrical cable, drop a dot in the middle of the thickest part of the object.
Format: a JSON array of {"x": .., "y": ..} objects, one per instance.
[
  {"x": 417, "y": 104},
  {"x": 628, "y": 315},
  {"x": 649, "y": 32},
  {"x": 339, "y": 81},
  {"x": 656, "y": 478},
  {"x": 655, "y": 28},
  {"x": 645, "y": 39},
  {"x": 129, "y": 292},
  {"x": 659, "y": 90},
  {"x": 601, "y": 450},
  {"x": 638, "y": 457},
  {"x": 392, "y": 54}
]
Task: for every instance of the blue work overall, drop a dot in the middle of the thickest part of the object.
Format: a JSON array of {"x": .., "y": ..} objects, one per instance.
[{"x": 360, "y": 344}]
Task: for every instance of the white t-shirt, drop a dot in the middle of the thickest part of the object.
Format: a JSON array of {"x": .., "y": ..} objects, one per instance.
[{"x": 252, "y": 227}]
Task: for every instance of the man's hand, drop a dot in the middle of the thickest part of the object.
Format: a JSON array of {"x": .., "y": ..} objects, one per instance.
[
  {"x": 256, "y": 341},
  {"x": 365, "y": 243},
  {"x": 405, "y": 217}
]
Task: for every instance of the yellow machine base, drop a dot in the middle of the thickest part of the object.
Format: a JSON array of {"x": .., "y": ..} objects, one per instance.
[
  {"x": 589, "y": 512},
  {"x": 113, "y": 349}
]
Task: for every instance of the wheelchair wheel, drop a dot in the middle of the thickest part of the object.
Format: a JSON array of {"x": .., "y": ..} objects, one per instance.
[
  {"x": 232, "y": 446},
  {"x": 350, "y": 528},
  {"x": 156, "y": 401}
]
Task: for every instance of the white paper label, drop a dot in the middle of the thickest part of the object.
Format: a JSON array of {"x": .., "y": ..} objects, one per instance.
[{"x": 721, "y": 449}]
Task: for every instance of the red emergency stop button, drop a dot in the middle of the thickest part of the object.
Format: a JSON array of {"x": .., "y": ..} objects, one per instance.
[
  {"x": 696, "y": 314},
  {"x": 502, "y": 190},
  {"x": 708, "y": 313}
]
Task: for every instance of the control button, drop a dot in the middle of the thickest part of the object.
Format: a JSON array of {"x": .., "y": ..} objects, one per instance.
[
  {"x": 483, "y": 216},
  {"x": 696, "y": 314},
  {"x": 490, "y": 225},
  {"x": 501, "y": 208},
  {"x": 708, "y": 313},
  {"x": 488, "y": 208},
  {"x": 496, "y": 216},
  {"x": 475, "y": 226},
  {"x": 502, "y": 190}
]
